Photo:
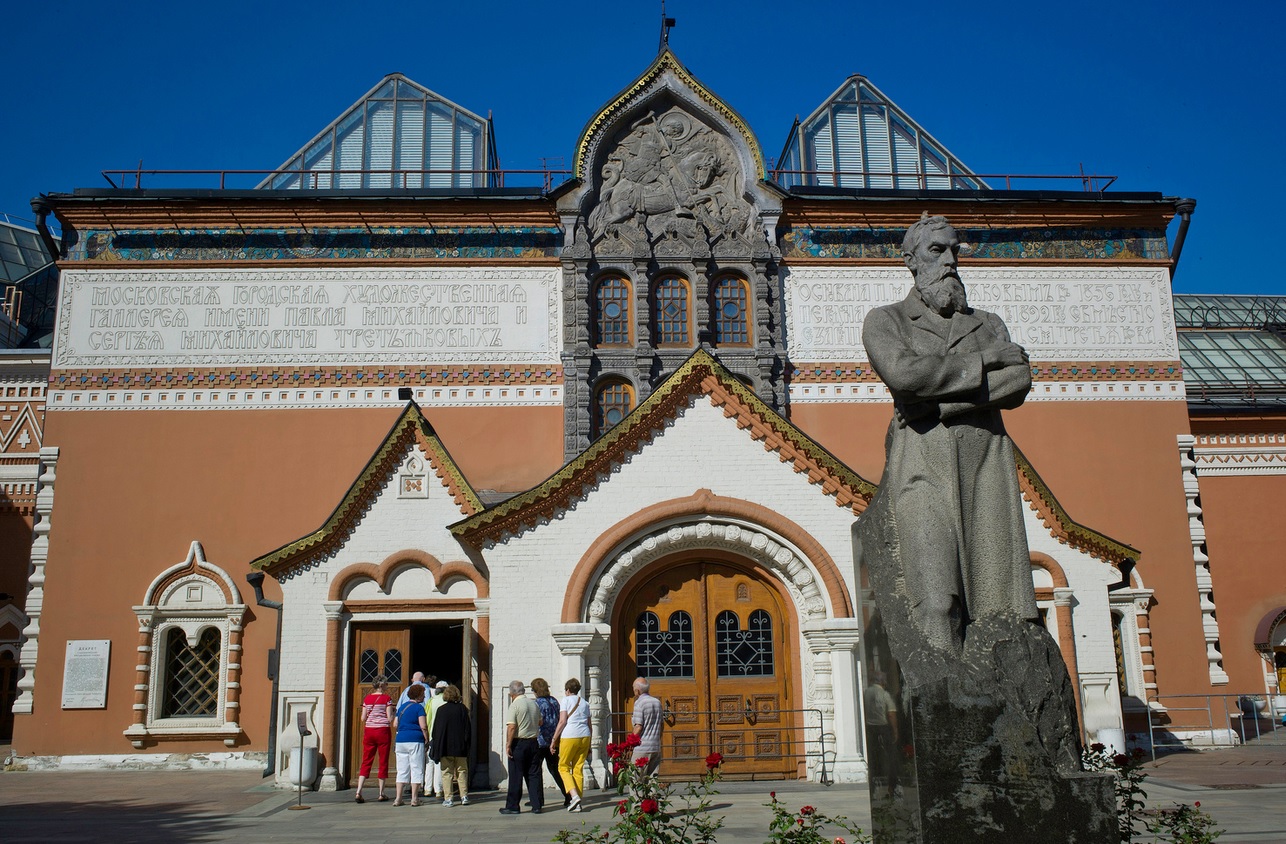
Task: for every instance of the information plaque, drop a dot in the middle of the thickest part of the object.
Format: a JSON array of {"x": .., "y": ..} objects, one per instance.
[{"x": 85, "y": 673}]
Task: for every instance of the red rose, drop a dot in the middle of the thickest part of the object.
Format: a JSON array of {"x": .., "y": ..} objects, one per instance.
[
  {"x": 807, "y": 810},
  {"x": 801, "y": 821},
  {"x": 1120, "y": 759},
  {"x": 714, "y": 760},
  {"x": 640, "y": 762},
  {"x": 650, "y": 806},
  {"x": 633, "y": 740},
  {"x": 1196, "y": 805},
  {"x": 621, "y": 807},
  {"x": 773, "y": 795},
  {"x": 1098, "y": 747},
  {"x": 839, "y": 840}
]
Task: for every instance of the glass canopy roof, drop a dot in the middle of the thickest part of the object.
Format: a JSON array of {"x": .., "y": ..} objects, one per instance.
[
  {"x": 1233, "y": 348},
  {"x": 400, "y": 135},
  {"x": 21, "y": 252},
  {"x": 860, "y": 139}
]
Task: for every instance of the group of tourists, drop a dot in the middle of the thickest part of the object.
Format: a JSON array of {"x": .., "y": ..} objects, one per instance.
[{"x": 431, "y": 740}]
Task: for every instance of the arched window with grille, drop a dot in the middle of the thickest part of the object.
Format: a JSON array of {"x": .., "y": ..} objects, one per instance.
[
  {"x": 744, "y": 653},
  {"x": 672, "y": 312},
  {"x": 613, "y": 400},
  {"x": 663, "y": 652},
  {"x": 612, "y": 321},
  {"x": 191, "y": 685},
  {"x": 730, "y": 298}
]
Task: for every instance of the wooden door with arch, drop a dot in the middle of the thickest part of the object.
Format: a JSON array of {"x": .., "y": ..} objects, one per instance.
[
  {"x": 376, "y": 650},
  {"x": 710, "y": 637}
]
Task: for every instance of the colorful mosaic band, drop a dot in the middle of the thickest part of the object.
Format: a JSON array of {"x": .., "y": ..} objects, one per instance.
[
  {"x": 308, "y": 376},
  {"x": 1011, "y": 244},
  {"x": 484, "y": 243},
  {"x": 1061, "y": 371}
]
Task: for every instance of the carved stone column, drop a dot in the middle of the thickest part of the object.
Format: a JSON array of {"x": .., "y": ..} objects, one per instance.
[
  {"x": 835, "y": 641},
  {"x": 331, "y": 779},
  {"x": 583, "y": 647},
  {"x": 36, "y": 581}
]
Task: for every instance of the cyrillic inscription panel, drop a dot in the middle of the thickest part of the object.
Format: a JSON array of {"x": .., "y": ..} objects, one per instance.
[
  {"x": 1106, "y": 313},
  {"x": 233, "y": 317}
]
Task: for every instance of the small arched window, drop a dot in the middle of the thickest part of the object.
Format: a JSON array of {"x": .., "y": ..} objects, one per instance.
[
  {"x": 191, "y": 685},
  {"x": 663, "y": 653},
  {"x": 730, "y": 306},
  {"x": 613, "y": 400},
  {"x": 612, "y": 312},
  {"x": 672, "y": 312}
]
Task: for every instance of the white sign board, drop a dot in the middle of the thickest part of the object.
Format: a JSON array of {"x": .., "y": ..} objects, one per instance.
[
  {"x": 85, "y": 673},
  {"x": 326, "y": 316},
  {"x": 1056, "y": 313}
]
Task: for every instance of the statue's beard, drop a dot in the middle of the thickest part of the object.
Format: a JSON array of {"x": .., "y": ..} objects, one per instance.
[{"x": 946, "y": 295}]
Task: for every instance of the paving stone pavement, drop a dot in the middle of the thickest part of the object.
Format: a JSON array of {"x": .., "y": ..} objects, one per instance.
[{"x": 1244, "y": 788}]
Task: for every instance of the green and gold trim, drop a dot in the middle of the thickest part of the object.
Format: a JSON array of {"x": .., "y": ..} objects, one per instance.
[
  {"x": 701, "y": 374},
  {"x": 411, "y": 428},
  {"x": 665, "y": 61},
  {"x": 1065, "y": 529}
]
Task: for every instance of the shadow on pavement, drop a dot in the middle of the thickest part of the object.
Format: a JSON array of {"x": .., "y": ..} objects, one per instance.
[{"x": 58, "y": 821}]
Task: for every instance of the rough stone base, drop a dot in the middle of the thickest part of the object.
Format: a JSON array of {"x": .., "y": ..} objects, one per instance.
[{"x": 232, "y": 761}]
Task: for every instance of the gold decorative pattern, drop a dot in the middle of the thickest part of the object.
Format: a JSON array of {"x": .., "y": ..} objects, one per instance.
[
  {"x": 1063, "y": 527},
  {"x": 700, "y": 374},
  {"x": 665, "y": 61},
  {"x": 411, "y": 427}
]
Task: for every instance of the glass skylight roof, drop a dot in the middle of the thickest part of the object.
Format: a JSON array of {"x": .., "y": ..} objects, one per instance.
[
  {"x": 860, "y": 139},
  {"x": 400, "y": 135},
  {"x": 1217, "y": 311},
  {"x": 21, "y": 252}
]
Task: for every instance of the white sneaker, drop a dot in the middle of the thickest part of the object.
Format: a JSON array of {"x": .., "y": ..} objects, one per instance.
[
  {"x": 464, "y": 801},
  {"x": 574, "y": 806},
  {"x": 448, "y": 803}
]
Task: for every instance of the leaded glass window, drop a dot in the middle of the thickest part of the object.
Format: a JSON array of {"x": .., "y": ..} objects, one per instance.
[
  {"x": 612, "y": 306},
  {"x": 731, "y": 323},
  {"x": 191, "y": 675},
  {"x": 743, "y": 653},
  {"x": 613, "y": 401},
  {"x": 368, "y": 666},
  {"x": 393, "y": 665},
  {"x": 673, "y": 305},
  {"x": 663, "y": 653}
]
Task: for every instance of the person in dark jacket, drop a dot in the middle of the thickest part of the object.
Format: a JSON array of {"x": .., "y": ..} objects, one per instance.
[{"x": 452, "y": 738}]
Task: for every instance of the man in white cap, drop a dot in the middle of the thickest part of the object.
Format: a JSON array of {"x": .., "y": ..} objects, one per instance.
[{"x": 433, "y": 770}]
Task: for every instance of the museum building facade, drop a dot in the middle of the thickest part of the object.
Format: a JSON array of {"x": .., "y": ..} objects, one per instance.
[{"x": 620, "y": 426}]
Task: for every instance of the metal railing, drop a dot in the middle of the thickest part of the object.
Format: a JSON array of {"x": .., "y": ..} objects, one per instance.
[
  {"x": 1090, "y": 183},
  {"x": 1226, "y": 720},
  {"x": 392, "y": 179},
  {"x": 805, "y": 737}
]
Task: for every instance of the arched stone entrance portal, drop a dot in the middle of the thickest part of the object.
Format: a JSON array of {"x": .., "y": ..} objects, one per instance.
[{"x": 713, "y": 636}]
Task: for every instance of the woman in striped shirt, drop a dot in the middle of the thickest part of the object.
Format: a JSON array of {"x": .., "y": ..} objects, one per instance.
[{"x": 377, "y": 716}]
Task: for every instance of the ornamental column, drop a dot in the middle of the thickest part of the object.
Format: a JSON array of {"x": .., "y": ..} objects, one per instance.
[
  {"x": 833, "y": 643},
  {"x": 584, "y": 649}
]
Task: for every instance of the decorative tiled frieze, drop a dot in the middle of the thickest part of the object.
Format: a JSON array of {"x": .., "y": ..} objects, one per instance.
[
  {"x": 1010, "y": 244},
  {"x": 1205, "y": 586},
  {"x": 1240, "y": 454},
  {"x": 334, "y": 397},
  {"x": 865, "y": 391}
]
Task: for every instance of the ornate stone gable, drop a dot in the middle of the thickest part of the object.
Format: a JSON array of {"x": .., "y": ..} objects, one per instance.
[{"x": 669, "y": 206}]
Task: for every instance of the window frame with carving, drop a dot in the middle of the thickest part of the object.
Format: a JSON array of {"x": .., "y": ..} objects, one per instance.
[
  {"x": 744, "y": 336},
  {"x": 624, "y": 297},
  {"x": 598, "y": 412},
  {"x": 188, "y": 600},
  {"x": 662, "y": 339}
]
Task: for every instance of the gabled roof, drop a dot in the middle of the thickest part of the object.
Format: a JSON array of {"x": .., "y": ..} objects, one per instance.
[
  {"x": 411, "y": 428},
  {"x": 700, "y": 376},
  {"x": 665, "y": 61},
  {"x": 398, "y": 130},
  {"x": 859, "y": 138},
  {"x": 1065, "y": 529}
]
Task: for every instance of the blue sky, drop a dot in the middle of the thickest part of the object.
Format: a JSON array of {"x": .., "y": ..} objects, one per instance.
[{"x": 1184, "y": 98}]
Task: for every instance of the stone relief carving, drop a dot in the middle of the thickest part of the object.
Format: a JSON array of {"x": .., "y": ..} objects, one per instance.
[{"x": 671, "y": 187}]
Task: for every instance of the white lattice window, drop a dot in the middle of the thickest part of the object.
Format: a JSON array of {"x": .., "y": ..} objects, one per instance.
[{"x": 189, "y": 667}]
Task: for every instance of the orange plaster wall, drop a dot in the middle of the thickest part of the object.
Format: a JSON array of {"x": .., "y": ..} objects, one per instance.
[
  {"x": 1114, "y": 466},
  {"x": 134, "y": 489},
  {"x": 1245, "y": 538}
]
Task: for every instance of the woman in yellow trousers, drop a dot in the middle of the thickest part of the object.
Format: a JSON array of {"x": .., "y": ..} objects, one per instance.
[{"x": 571, "y": 742}]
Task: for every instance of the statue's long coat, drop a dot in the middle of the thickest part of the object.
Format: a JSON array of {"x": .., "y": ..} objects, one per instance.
[{"x": 950, "y": 474}]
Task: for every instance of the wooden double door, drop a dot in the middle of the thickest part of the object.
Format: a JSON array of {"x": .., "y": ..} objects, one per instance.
[{"x": 711, "y": 637}]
